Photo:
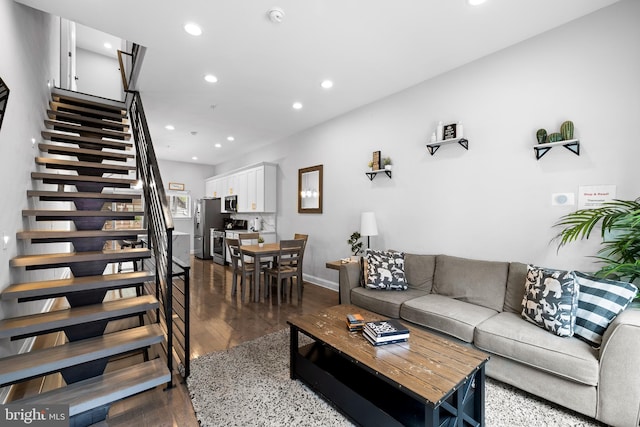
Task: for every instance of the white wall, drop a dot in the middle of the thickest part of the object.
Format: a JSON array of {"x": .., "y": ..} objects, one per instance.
[
  {"x": 29, "y": 59},
  {"x": 494, "y": 201},
  {"x": 193, "y": 177},
  {"x": 98, "y": 74}
]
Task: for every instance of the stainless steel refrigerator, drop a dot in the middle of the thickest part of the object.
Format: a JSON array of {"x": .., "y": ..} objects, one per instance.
[{"x": 207, "y": 216}]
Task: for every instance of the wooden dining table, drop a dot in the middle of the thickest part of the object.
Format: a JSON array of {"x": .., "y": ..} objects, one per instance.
[{"x": 258, "y": 252}]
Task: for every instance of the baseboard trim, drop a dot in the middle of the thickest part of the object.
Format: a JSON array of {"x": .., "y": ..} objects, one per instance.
[{"x": 321, "y": 282}]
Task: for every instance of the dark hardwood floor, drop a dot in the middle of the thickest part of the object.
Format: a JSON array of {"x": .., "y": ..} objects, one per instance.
[{"x": 218, "y": 321}]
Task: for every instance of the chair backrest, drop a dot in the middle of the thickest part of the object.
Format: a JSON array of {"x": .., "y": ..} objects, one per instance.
[
  {"x": 291, "y": 252},
  {"x": 303, "y": 237},
  {"x": 234, "y": 252},
  {"x": 248, "y": 238}
]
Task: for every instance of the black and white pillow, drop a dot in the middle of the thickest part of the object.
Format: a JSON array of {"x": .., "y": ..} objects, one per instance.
[
  {"x": 599, "y": 302},
  {"x": 550, "y": 300},
  {"x": 385, "y": 270}
]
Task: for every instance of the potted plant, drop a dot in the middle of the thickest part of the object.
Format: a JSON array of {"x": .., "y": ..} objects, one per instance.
[
  {"x": 260, "y": 242},
  {"x": 370, "y": 164},
  {"x": 619, "y": 222},
  {"x": 356, "y": 245},
  {"x": 387, "y": 163}
]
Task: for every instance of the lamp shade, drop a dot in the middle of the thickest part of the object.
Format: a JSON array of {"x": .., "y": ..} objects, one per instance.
[{"x": 368, "y": 226}]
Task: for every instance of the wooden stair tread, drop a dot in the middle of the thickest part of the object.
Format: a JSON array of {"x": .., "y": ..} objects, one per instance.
[
  {"x": 75, "y": 164},
  {"x": 69, "y": 179},
  {"x": 70, "y": 195},
  {"x": 75, "y": 213},
  {"x": 75, "y": 139},
  {"x": 110, "y": 255},
  {"x": 53, "y": 359},
  {"x": 78, "y": 98},
  {"x": 49, "y": 288},
  {"x": 111, "y": 115},
  {"x": 57, "y": 234},
  {"x": 77, "y": 118},
  {"x": 109, "y": 387},
  {"x": 65, "y": 150},
  {"x": 76, "y": 128},
  {"x": 58, "y": 319}
]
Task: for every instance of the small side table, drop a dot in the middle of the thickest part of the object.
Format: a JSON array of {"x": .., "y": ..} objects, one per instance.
[{"x": 334, "y": 265}]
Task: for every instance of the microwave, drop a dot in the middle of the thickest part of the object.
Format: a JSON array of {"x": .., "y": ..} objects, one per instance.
[{"x": 231, "y": 203}]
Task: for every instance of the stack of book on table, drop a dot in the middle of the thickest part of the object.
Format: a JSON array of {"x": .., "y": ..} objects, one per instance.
[
  {"x": 355, "y": 322},
  {"x": 383, "y": 332}
]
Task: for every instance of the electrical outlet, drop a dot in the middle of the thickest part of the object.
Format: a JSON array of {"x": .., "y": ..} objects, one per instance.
[
  {"x": 5, "y": 240},
  {"x": 563, "y": 199}
]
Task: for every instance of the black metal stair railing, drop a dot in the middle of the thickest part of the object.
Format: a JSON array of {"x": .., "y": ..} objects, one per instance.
[{"x": 172, "y": 276}]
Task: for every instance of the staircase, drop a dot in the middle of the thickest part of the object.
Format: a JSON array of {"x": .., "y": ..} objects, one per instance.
[{"x": 87, "y": 143}]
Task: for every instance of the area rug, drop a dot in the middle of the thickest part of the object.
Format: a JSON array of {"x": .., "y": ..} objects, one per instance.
[{"x": 249, "y": 385}]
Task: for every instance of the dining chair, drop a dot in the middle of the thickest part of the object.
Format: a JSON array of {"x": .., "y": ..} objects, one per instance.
[
  {"x": 252, "y": 239},
  {"x": 286, "y": 266},
  {"x": 240, "y": 268},
  {"x": 305, "y": 238}
]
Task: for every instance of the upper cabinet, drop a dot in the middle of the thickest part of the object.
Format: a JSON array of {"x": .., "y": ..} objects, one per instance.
[{"x": 255, "y": 187}]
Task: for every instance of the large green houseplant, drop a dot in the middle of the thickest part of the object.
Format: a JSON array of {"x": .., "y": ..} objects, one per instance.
[{"x": 619, "y": 222}]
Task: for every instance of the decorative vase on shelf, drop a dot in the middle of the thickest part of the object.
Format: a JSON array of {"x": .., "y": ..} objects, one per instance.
[
  {"x": 566, "y": 129},
  {"x": 439, "y": 131},
  {"x": 541, "y": 135}
]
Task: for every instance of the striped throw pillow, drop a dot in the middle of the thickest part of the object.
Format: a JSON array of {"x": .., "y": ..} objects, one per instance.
[{"x": 599, "y": 302}]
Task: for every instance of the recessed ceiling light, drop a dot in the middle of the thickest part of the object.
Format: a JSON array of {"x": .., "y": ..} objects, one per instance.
[
  {"x": 218, "y": 145},
  {"x": 475, "y": 2},
  {"x": 193, "y": 29},
  {"x": 230, "y": 138},
  {"x": 170, "y": 127},
  {"x": 297, "y": 105},
  {"x": 211, "y": 78},
  {"x": 326, "y": 84},
  {"x": 107, "y": 45},
  {"x": 194, "y": 158}
]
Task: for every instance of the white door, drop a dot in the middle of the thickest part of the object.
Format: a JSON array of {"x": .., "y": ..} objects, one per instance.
[{"x": 68, "y": 55}]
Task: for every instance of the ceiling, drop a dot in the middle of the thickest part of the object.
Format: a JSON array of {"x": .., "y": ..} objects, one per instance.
[{"x": 369, "y": 49}]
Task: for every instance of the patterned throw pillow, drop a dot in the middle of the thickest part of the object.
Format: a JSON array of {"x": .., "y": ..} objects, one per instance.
[
  {"x": 385, "y": 270},
  {"x": 599, "y": 302},
  {"x": 550, "y": 300}
]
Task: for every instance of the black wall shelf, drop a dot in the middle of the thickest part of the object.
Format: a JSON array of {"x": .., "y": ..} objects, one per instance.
[
  {"x": 372, "y": 174},
  {"x": 572, "y": 145},
  {"x": 433, "y": 146}
]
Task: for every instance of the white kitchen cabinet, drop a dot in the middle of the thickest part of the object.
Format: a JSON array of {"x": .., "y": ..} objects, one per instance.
[{"x": 254, "y": 185}]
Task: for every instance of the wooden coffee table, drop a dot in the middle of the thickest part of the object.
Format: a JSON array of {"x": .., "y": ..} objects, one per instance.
[{"x": 427, "y": 381}]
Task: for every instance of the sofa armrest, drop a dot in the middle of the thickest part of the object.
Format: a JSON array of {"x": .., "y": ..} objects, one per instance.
[
  {"x": 349, "y": 279},
  {"x": 619, "y": 383}
]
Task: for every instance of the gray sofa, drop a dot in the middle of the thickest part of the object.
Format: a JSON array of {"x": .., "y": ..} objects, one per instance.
[{"x": 478, "y": 303}]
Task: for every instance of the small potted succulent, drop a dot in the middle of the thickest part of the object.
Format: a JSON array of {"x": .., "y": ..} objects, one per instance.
[
  {"x": 356, "y": 245},
  {"x": 370, "y": 164},
  {"x": 260, "y": 242},
  {"x": 387, "y": 163}
]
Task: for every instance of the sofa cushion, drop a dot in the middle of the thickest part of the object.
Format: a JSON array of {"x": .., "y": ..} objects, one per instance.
[
  {"x": 385, "y": 270},
  {"x": 515, "y": 287},
  {"x": 599, "y": 302},
  {"x": 418, "y": 270},
  {"x": 478, "y": 282},
  {"x": 445, "y": 314},
  {"x": 550, "y": 300},
  {"x": 385, "y": 303},
  {"x": 509, "y": 336}
]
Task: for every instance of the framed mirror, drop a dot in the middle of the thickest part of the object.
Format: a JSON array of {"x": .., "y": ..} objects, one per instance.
[
  {"x": 4, "y": 98},
  {"x": 310, "y": 190}
]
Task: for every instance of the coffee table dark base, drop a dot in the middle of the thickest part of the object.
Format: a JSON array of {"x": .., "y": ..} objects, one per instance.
[{"x": 368, "y": 399}]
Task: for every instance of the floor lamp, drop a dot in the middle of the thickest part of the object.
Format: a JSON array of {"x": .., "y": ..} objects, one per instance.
[{"x": 368, "y": 226}]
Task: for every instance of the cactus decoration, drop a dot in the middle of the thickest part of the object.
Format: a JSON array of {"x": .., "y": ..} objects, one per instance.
[
  {"x": 542, "y": 136},
  {"x": 567, "y": 130},
  {"x": 554, "y": 137}
]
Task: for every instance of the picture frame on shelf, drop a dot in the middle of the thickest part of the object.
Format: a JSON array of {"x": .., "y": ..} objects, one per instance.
[
  {"x": 377, "y": 161},
  {"x": 449, "y": 131},
  {"x": 176, "y": 186}
]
